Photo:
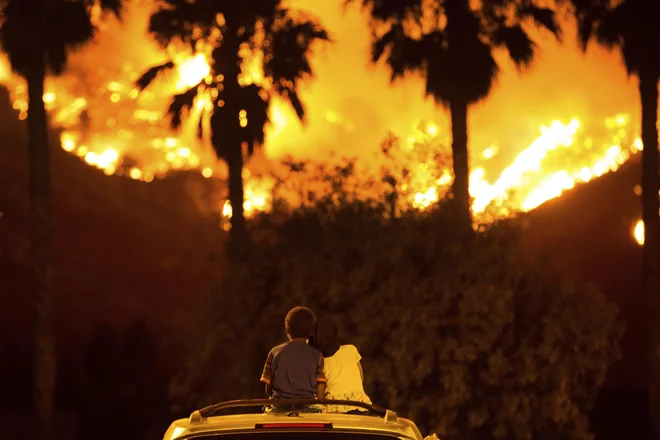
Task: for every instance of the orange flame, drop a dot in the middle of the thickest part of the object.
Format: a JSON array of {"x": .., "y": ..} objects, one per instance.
[
  {"x": 638, "y": 232},
  {"x": 526, "y": 174}
]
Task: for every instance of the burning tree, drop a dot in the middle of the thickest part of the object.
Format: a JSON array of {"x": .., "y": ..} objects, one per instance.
[
  {"x": 451, "y": 45},
  {"x": 37, "y": 36},
  {"x": 261, "y": 38},
  {"x": 631, "y": 27}
]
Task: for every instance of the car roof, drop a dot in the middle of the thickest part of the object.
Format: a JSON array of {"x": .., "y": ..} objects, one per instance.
[
  {"x": 399, "y": 427},
  {"x": 204, "y": 422}
]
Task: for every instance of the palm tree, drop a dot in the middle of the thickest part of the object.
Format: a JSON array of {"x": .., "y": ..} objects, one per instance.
[
  {"x": 240, "y": 111},
  {"x": 450, "y": 44},
  {"x": 37, "y": 36},
  {"x": 631, "y": 26}
]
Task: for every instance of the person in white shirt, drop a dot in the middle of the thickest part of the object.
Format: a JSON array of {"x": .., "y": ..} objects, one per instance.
[{"x": 342, "y": 367}]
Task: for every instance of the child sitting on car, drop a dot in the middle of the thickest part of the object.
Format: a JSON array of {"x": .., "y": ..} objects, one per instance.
[
  {"x": 343, "y": 371},
  {"x": 295, "y": 368}
]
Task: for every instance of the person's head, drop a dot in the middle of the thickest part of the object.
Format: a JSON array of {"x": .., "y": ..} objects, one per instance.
[
  {"x": 299, "y": 323},
  {"x": 326, "y": 337}
]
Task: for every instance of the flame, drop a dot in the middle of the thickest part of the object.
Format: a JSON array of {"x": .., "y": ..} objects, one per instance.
[
  {"x": 192, "y": 71},
  {"x": 258, "y": 198},
  {"x": 638, "y": 232},
  {"x": 5, "y": 71}
]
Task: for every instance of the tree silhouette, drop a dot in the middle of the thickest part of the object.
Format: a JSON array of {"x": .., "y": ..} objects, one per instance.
[
  {"x": 37, "y": 36},
  {"x": 631, "y": 27},
  {"x": 101, "y": 384},
  {"x": 450, "y": 43},
  {"x": 240, "y": 110},
  {"x": 15, "y": 376},
  {"x": 143, "y": 384}
]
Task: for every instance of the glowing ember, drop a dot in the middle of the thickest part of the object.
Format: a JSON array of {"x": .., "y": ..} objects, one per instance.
[
  {"x": 192, "y": 71},
  {"x": 638, "y": 232},
  {"x": 5, "y": 71},
  {"x": 258, "y": 198}
]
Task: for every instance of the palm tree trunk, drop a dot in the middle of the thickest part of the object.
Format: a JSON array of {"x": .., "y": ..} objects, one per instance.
[
  {"x": 236, "y": 192},
  {"x": 41, "y": 242},
  {"x": 460, "y": 187},
  {"x": 228, "y": 57},
  {"x": 648, "y": 88}
]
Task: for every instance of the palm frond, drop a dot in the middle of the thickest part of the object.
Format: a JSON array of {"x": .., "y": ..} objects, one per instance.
[
  {"x": 632, "y": 27},
  {"x": 150, "y": 75},
  {"x": 402, "y": 54},
  {"x": 385, "y": 10},
  {"x": 16, "y": 36},
  {"x": 610, "y": 28},
  {"x": 543, "y": 17},
  {"x": 256, "y": 108},
  {"x": 176, "y": 19},
  {"x": 451, "y": 75},
  {"x": 381, "y": 44},
  {"x": 200, "y": 128},
  {"x": 260, "y": 9},
  {"x": 114, "y": 6},
  {"x": 71, "y": 23},
  {"x": 298, "y": 106},
  {"x": 69, "y": 26},
  {"x": 165, "y": 26},
  {"x": 585, "y": 31},
  {"x": 517, "y": 42},
  {"x": 287, "y": 54},
  {"x": 220, "y": 120},
  {"x": 588, "y": 14},
  {"x": 181, "y": 104}
]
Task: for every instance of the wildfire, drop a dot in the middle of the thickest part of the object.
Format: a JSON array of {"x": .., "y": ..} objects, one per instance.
[
  {"x": 111, "y": 126},
  {"x": 257, "y": 199},
  {"x": 638, "y": 232},
  {"x": 522, "y": 186},
  {"x": 191, "y": 71}
]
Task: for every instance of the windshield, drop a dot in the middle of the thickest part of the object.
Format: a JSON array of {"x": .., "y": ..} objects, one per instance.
[{"x": 302, "y": 435}]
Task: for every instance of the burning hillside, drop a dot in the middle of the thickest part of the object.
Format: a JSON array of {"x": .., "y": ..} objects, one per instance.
[{"x": 113, "y": 127}]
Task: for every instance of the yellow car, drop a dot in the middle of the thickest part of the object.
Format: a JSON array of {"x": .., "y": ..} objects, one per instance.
[{"x": 368, "y": 423}]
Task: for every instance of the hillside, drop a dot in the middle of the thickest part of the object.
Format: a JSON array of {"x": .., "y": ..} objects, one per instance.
[
  {"x": 123, "y": 248},
  {"x": 590, "y": 230}
]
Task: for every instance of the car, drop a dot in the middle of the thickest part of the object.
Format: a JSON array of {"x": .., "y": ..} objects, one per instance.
[{"x": 370, "y": 422}]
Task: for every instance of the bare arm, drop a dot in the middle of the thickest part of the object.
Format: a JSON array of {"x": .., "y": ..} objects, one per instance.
[
  {"x": 267, "y": 375},
  {"x": 320, "y": 378},
  {"x": 361, "y": 372},
  {"x": 320, "y": 390}
]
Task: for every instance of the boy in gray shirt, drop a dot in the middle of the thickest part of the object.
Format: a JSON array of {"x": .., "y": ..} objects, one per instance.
[{"x": 295, "y": 362}]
